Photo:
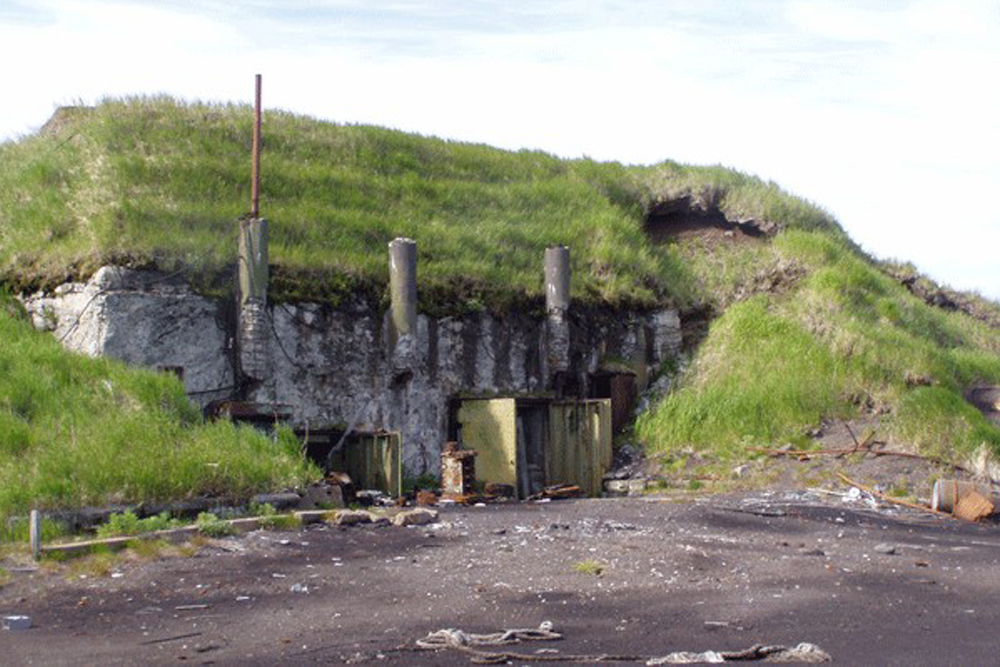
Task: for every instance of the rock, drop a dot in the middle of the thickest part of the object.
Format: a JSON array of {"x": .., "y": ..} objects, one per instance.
[
  {"x": 812, "y": 552},
  {"x": 616, "y": 487},
  {"x": 322, "y": 496},
  {"x": 741, "y": 471},
  {"x": 885, "y": 549},
  {"x": 353, "y": 517},
  {"x": 299, "y": 588},
  {"x": 419, "y": 516},
  {"x": 637, "y": 487}
]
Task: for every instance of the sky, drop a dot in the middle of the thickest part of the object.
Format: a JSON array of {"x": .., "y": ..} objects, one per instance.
[{"x": 885, "y": 113}]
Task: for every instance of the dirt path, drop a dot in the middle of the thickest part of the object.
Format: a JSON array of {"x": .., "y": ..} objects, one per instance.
[{"x": 720, "y": 573}]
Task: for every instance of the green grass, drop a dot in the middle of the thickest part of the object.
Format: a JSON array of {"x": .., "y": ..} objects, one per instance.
[
  {"x": 152, "y": 181},
  {"x": 590, "y": 566},
  {"x": 127, "y": 523},
  {"x": 76, "y": 431},
  {"x": 211, "y": 525},
  {"x": 844, "y": 341}
]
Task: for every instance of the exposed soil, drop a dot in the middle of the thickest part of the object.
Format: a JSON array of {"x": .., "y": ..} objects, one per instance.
[
  {"x": 868, "y": 583},
  {"x": 680, "y": 220},
  {"x": 987, "y": 400}
]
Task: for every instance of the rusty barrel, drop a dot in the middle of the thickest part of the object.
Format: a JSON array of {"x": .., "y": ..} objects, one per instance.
[{"x": 948, "y": 493}]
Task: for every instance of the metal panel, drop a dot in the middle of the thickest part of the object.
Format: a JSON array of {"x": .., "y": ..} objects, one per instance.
[
  {"x": 579, "y": 448},
  {"x": 375, "y": 461},
  {"x": 490, "y": 428}
]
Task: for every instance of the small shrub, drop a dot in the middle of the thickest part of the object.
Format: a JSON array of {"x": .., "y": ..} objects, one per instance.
[
  {"x": 590, "y": 566},
  {"x": 210, "y": 525},
  {"x": 128, "y": 523}
]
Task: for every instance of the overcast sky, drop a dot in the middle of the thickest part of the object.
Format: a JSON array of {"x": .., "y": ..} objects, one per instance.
[{"x": 886, "y": 113}]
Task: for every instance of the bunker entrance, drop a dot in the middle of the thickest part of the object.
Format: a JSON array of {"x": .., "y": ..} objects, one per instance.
[
  {"x": 529, "y": 443},
  {"x": 372, "y": 460}
]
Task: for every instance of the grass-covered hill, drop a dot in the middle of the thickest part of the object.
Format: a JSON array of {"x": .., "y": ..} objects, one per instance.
[
  {"x": 156, "y": 181},
  {"x": 806, "y": 326}
]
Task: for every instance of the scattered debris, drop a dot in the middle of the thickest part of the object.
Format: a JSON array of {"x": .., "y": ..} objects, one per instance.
[
  {"x": 469, "y": 643},
  {"x": 458, "y": 470},
  {"x": 885, "y": 549},
  {"x": 882, "y": 496},
  {"x": 425, "y": 498},
  {"x": 171, "y": 639},
  {"x": 16, "y": 622},
  {"x": 373, "y": 497},
  {"x": 500, "y": 491},
  {"x": 191, "y": 607},
  {"x": 802, "y": 653},
  {"x": 559, "y": 491},
  {"x": 966, "y": 500},
  {"x": 299, "y": 588},
  {"x": 353, "y": 517},
  {"x": 419, "y": 516}
]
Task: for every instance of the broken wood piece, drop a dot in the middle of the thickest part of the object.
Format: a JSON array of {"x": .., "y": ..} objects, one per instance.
[{"x": 558, "y": 491}]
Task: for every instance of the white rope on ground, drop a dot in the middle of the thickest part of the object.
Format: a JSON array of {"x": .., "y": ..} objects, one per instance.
[{"x": 451, "y": 638}]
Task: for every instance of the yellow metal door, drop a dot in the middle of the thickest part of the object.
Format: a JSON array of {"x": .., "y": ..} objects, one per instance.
[{"x": 490, "y": 428}]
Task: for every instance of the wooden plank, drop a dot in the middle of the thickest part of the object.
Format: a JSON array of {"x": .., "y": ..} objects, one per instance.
[{"x": 242, "y": 525}]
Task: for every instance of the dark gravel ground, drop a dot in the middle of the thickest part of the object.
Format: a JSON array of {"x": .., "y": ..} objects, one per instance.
[{"x": 879, "y": 586}]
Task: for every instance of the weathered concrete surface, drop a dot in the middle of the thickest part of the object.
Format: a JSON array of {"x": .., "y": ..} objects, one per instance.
[
  {"x": 333, "y": 366},
  {"x": 143, "y": 318}
]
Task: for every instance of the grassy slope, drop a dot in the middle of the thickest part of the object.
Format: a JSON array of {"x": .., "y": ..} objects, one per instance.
[
  {"x": 79, "y": 431},
  {"x": 153, "y": 181},
  {"x": 846, "y": 339}
]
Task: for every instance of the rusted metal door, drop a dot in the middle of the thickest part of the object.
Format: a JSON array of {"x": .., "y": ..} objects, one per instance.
[
  {"x": 375, "y": 461},
  {"x": 579, "y": 447}
]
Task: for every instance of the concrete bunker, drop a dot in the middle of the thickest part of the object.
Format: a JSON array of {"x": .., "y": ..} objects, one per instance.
[{"x": 312, "y": 365}]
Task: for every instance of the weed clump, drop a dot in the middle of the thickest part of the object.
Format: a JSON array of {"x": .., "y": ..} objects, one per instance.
[
  {"x": 127, "y": 523},
  {"x": 210, "y": 525},
  {"x": 589, "y": 566}
]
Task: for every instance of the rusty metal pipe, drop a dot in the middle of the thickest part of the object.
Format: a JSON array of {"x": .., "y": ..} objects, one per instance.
[{"x": 255, "y": 174}]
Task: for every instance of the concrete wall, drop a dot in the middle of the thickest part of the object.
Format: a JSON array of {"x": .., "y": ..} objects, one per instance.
[{"x": 334, "y": 366}]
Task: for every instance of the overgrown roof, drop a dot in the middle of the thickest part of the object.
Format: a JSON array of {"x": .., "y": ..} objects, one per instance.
[{"x": 153, "y": 181}]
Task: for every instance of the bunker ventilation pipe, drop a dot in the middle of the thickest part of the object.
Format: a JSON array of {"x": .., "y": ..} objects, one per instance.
[
  {"x": 402, "y": 330},
  {"x": 252, "y": 334},
  {"x": 557, "y": 300}
]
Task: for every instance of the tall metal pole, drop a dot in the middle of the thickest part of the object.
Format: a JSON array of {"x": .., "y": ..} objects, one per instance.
[{"x": 255, "y": 175}]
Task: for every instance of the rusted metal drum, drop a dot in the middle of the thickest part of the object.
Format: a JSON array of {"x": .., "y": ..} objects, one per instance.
[{"x": 949, "y": 492}]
